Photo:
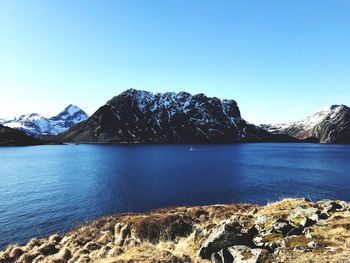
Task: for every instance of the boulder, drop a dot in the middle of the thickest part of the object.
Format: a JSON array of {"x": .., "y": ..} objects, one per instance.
[
  {"x": 222, "y": 256},
  {"x": 269, "y": 241},
  {"x": 240, "y": 254},
  {"x": 307, "y": 222},
  {"x": 282, "y": 226},
  {"x": 263, "y": 223},
  {"x": 230, "y": 233},
  {"x": 306, "y": 217},
  {"x": 329, "y": 206},
  {"x": 312, "y": 244}
]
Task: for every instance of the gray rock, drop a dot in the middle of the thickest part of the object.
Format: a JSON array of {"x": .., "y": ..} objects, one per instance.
[
  {"x": 227, "y": 235},
  {"x": 330, "y": 206},
  {"x": 223, "y": 256},
  {"x": 312, "y": 244},
  {"x": 239, "y": 254},
  {"x": 296, "y": 231},
  {"x": 244, "y": 254},
  {"x": 306, "y": 217},
  {"x": 308, "y": 233},
  {"x": 199, "y": 232},
  {"x": 307, "y": 212},
  {"x": 262, "y": 221},
  {"x": 282, "y": 226},
  {"x": 307, "y": 222}
]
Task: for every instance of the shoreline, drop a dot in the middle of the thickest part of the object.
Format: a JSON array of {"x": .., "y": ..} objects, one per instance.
[{"x": 290, "y": 230}]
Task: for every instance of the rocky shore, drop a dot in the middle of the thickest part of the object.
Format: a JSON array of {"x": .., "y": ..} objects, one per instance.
[{"x": 290, "y": 230}]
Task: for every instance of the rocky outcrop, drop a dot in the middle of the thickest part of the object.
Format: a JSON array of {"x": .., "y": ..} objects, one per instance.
[
  {"x": 227, "y": 235},
  {"x": 137, "y": 116},
  {"x": 270, "y": 233},
  {"x": 12, "y": 137},
  {"x": 330, "y": 125},
  {"x": 240, "y": 254},
  {"x": 291, "y": 230}
]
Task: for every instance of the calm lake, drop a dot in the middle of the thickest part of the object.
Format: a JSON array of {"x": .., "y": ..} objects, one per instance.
[{"x": 48, "y": 189}]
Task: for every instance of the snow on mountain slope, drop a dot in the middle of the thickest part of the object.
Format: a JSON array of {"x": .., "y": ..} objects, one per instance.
[
  {"x": 37, "y": 125},
  {"x": 329, "y": 125},
  {"x": 137, "y": 116}
]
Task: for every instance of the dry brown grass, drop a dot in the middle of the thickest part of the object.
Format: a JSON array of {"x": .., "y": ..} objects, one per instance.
[
  {"x": 176, "y": 235},
  {"x": 163, "y": 227},
  {"x": 281, "y": 209}
]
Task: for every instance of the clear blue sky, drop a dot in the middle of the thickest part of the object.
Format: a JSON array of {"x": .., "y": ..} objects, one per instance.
[{"x": 281, "y": 60}]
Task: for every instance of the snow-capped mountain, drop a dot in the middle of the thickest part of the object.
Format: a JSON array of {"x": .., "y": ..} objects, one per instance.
[
  {"x": 329, "y": 125},
  {"x": 137, "y": 116},
  {"x": 35, "y": 124},
  {"x": 70, "y": 116}
]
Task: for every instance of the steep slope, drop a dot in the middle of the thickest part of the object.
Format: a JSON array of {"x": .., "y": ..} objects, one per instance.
[
  {"x": 137, "y": 116},
  {"x": 37, "y": 125},
  {"x": 12, "y": 137},
  {"x": 70, "y": 116},
  {"x": 330, "y": 125}
]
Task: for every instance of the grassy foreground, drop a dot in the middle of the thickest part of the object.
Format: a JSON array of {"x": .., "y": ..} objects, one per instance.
[{"x": 290, "y": 230}]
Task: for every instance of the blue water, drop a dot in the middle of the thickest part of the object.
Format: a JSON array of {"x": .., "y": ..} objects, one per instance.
[{"x": 48, "y": 189}]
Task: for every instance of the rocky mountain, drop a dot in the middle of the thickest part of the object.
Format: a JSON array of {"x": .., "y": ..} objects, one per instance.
[
  {"x": 137, "y": 116},
  {"x": 37, "y": 125},
  {"x": 13, "y": 137},
  {"x": 330, "y": 125}
]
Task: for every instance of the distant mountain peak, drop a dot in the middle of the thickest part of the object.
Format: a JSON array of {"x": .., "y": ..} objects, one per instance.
[
  {"x": 329, "y": 125},
  {"x": 72, "y": 109},
  {"x": 37, "y": 125},
  {"x": 333, "y": 107}
]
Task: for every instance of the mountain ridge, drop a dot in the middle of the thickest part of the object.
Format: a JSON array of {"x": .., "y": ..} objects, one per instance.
[
  {"x": 137, "y": 116},
  {"x": 13, "y": 137},
  {"x": 34, "y": 124},
  {"x": 329, "y": 125}
]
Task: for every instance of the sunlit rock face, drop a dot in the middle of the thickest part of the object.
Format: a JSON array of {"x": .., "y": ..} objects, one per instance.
[{"x": 330, "y": 125}]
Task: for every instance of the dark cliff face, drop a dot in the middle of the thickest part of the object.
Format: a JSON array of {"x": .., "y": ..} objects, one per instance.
[
  {"x": 12, "y": 137},
  {"x": 143, "y": 117},
  {"x": 335, "y": 128},
  {"x": 330, "y": 125}
]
